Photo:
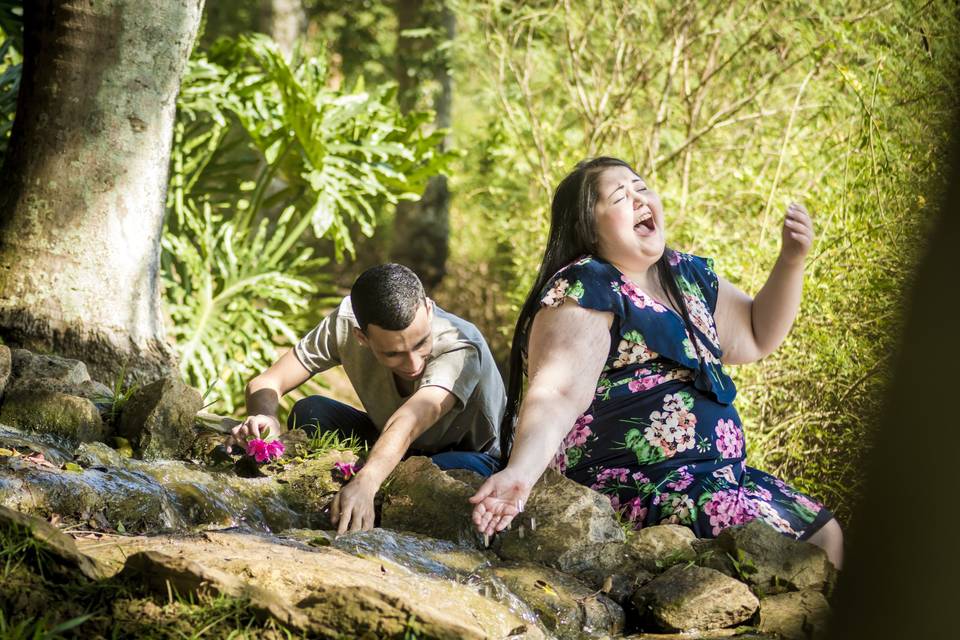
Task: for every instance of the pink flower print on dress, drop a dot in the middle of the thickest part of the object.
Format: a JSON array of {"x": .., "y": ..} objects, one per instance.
[
  {"x": 639, "y": 299},
  {"x": 639, "y": 478},
  {"x": 775, "y": 520},
  {"x": 604, "y": 478},
  {"x": 634, "y": 511},
  {"x": 806, "y": 502},
  {"x": 729, "y": 439},
  {"x": 263, "y": 451},
  {"x": 729, "y": 507},
  {"x": 554, "y": 297},
  {"x": 684, "y": 479}
]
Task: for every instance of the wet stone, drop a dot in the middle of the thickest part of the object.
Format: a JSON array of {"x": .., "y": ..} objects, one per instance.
[
  {"x": 565, "y": 606},
  {"x": 690, "y": 597},
  {"x": 769, "y": 562},
  {"x": 800, "y": 615},
  {"x": 159, "y": 419},
  {"x": 44, "y": 411}
]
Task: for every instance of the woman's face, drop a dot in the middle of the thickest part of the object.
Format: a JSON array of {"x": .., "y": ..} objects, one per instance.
[{"x": 629, "y": 219}]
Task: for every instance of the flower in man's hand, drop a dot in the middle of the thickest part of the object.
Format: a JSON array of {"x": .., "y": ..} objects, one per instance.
[
  {"x": 346, "y": 470},
  {"x": 263, "y": 451}
]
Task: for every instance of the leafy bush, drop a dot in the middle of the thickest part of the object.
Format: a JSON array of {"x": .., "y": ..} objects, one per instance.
[
  {"x": 730, "y": 110},
  {"x": 263, "y": 153}
]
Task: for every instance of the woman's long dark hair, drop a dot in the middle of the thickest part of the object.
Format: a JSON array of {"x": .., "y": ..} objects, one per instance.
[{"x": 573, "y": 233}]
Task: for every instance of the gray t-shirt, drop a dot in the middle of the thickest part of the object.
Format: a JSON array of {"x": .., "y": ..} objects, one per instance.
[{"x": 460, "y": 362}]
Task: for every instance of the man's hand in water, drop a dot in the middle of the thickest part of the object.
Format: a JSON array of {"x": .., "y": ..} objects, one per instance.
[
  {"x": 352, "y": 508},
  {"x": 253, "y": 427}
]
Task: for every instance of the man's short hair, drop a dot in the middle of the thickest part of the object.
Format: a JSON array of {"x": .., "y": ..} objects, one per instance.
[{"x": 388, "y": 296}]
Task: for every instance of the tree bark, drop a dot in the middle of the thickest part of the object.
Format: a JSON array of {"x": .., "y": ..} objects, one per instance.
[
  {"x": 85, "y": 178},
  {"x": 284, "y": 21},
  {"x": 421, "y": 238}
]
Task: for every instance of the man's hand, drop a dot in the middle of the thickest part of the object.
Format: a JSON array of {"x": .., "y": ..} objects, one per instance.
[
  {"x": 252, "y": 428},
  {"x": 499, "y": 500},
  {"x": 352, "y": 508}
]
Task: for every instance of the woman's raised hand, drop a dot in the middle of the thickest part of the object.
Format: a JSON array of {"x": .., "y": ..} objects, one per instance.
[
  {"x": 797, "y": 234},
  {"x": 499, "y": 500}
]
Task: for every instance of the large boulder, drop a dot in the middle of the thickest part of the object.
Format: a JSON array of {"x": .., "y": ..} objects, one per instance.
[
  {"x": 47, "y": 411},
  {"x": 687, "y": 597},
  {"x": 33, "y": 366},
  {"x": 158, "y": 419},
  {"x": 309, "y": 487},
  {"x": 421, "y": 498},
  {"x": 5, "y": 367},
  {"x": 769, "y": 562},
  {"x": 661, "y": 546},
  {"x": 564, "y": 525},
  {"x": 799, "y": 615},
  {"x": 567, "y": 608},
  {"x": 50, "y": 394},
  {"x": 333, "y": 593},
  {"x": 161, "y": 572}
]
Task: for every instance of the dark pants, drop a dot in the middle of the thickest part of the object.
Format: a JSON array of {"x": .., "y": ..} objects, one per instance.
[{"x": 317, "y": 413}]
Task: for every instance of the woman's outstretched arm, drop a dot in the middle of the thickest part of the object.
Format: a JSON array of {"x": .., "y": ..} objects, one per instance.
[
  {"x": 751, "y": 328},
  {"x": 567, "y": 350}
]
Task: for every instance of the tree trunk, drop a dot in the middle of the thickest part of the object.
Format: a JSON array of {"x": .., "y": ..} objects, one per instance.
[
  {"x": 284, "y": 21},
  {"x": 85, "y": 178},
  {"x": 421, "y": 238}
]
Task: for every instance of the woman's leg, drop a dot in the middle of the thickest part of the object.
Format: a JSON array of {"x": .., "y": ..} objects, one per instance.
[
  {"x": 319, "y": 414},
  {"x": 830, "y": 538}
]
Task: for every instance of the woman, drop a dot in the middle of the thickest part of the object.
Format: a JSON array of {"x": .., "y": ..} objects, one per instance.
[{"x": 626, "y": 341}]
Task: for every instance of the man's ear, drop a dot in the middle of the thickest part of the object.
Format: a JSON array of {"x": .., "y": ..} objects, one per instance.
[
  {"x": 429, "y": 305},
  {"x": 360, "y": 336}
]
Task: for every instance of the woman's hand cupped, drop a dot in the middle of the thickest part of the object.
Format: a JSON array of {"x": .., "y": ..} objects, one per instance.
[
  {"x": 499, "y": 500},
  {"x": 797, "y": 234}
]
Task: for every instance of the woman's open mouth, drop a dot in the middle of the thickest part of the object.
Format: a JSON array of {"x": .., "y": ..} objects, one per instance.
[{"x": 645, "y": 226}]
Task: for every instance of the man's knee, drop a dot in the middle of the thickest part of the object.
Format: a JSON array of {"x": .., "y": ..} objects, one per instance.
[{"x": 481, "y": 463}]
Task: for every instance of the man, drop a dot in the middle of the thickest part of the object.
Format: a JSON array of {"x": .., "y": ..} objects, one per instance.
[{"x": 425, "y": 377}]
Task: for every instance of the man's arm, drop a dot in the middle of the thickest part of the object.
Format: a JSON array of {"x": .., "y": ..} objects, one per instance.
[
  {"x": 263, "y": 395},
  {"x": 352, "y": 507}
]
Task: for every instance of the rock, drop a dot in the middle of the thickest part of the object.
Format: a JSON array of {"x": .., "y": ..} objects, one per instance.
[
  {"x": 769, "y": 562},
  {"x": 341, "y": 595},
  {"x": 45, "y": 411},
  {"x": 59, "y": 552},
  {"x": 421, "y": 498},
  {"x": 566, "y": 526},
  {"x": 688, "y": 597},
  {"x": 800, "y": 615},
  {"x": 661, "y": 546},
  {"x": 5, "y": 367},
  {"x": 32, "y": 366},
  {"x": 566, "y": 607},
  {"x": 309, "y": 487},
  {"x": 161, "y": 573},
  {"x": 158, "y": 419}
]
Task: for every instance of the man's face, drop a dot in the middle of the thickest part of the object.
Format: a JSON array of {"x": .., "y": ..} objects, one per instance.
[{"x": 404, "y": 352}]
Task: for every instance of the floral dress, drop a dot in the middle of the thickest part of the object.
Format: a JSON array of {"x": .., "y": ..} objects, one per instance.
[{"x": 662, "y": 438}]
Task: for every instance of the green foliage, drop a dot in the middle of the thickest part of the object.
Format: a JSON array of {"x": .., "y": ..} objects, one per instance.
[
  {"x": 34, "y": 629},
  {"x": 731, "y": 110},
  {"x": 11, "y": 65},
  {"x": 264, "y": 152}
]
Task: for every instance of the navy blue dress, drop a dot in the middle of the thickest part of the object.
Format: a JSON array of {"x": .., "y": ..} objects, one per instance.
[{"x": 662, "y": 438}]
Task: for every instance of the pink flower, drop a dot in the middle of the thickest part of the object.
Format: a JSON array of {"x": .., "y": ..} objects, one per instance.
[
  {"x": 729, "y": 439},
  {"x": 263, "y": 451},
  {"x": 729, "y": 507},
  {"x": 684, "y": 479},
  {"x": 346, "y": 469},
  {"x": 637, "y": 296},
  {"x": 634, "y": 510}
]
